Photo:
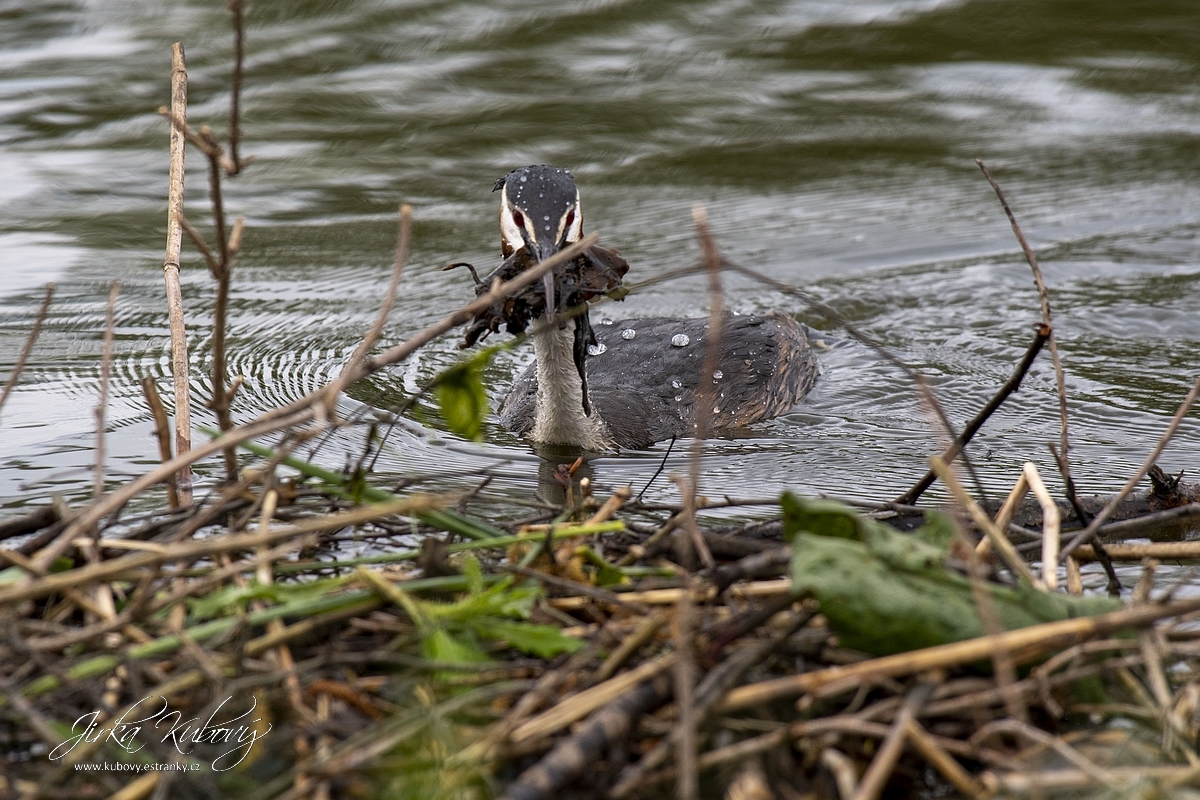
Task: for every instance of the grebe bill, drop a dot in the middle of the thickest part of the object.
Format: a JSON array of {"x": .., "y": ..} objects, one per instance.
[{"x": 631, "y": 383}]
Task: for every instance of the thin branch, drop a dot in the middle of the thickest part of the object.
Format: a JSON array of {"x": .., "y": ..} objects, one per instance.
[
  {"x": 162, "y": 433},
  {"x": 876, "y": 777},
  {"x": 687, "y": 786},
  {"x": 1044, "y": 298},
  {"x": 1114, "y": 582},
  {"x": 237, "y": 8},
  {"x": 198, "y": 240},
  {"x": 105, "y": 371},
  {"x": 28, "y": 348},
  {"x": 705, "y": 394},
  {"x": 360, "y": 353}
]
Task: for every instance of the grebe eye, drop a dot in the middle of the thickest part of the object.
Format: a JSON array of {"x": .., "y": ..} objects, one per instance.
[
  {"x": 570, "y": 217},
  {"x": 518, "y": 219}
]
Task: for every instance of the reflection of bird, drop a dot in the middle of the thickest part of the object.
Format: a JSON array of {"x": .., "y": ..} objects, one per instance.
[{"x": 634, "y": 382}]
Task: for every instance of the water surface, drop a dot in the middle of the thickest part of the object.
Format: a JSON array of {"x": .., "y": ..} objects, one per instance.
[{"x": 832, "y": 144}]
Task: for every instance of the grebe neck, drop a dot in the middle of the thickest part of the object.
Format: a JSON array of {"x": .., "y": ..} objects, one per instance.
[{"x": 559, "y": 410}]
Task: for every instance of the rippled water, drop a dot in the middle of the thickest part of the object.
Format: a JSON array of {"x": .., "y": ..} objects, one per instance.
[{"x": 832, "y": 143}]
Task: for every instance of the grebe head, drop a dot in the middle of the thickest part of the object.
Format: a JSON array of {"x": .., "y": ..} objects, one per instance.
[{"x": 539, "y": 211}]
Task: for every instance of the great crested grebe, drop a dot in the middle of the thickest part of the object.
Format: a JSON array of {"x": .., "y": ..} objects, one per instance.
[{"x": 625, "y": 383}]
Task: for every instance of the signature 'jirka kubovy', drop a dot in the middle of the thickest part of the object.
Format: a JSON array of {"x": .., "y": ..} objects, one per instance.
[{"x": 632, "y": 382}]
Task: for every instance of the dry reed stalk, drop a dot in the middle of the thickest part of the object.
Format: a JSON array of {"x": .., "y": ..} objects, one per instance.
[
  {"x": 937, "y": 757},
  {"x": 1012, "y": 559},
  {"x": 667, "y": 597},
  {"x": 1026, "y": 642},
  {"x": 1004, "y": 516},
  {"x": 265, "y": 576},
  {"x": 873, "y": 781},
  {"x": 705, "y": 393},
  {"x": 162, "y": 433},
  {"x": 1089, "y": 533},
  {"x": 1163, "y": 551},
  {"x": 1060, "y": 380},
  {"x": 184, "y": 590},
  {"x": 578, "y": 706},
  {"x": 687, "y": 780},
  {"x": 106, "y": 570},
  {"x": 611, "y": 506},
  {"x": 645, "y": 630},
  {"x": 1027, "y": 783},
  {"x": 179, "y": 355},
  {"x": 340, "y": 383},
  {"x": 841, "y": 766},
  {"x": 1049, "y": 524},
  {"x": 105, "y": 371},
  {"x": 15, "y": 375},
  {"x": 1075, "y": 579}
]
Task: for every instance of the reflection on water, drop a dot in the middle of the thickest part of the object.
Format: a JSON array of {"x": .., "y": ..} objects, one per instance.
[{"x": 833, "y": 144}]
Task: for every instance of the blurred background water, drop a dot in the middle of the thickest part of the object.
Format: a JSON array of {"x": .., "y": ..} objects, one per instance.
[{"x": 832, "y": 143}]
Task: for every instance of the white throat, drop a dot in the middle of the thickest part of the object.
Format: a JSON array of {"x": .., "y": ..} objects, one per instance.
[{"x": 558, "y": 416}]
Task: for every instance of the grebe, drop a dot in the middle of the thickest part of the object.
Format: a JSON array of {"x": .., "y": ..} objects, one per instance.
[{"x": 625, "y": 383}]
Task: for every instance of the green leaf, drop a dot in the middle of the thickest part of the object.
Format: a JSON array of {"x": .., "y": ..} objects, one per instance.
[
  {"x": 461, "y": 396},
  {"x": 822, "y": 517},
  {"x": 542, "y": 641},
  {"x": 440, "y": 645},
  {"x": 888, "y": 592}
]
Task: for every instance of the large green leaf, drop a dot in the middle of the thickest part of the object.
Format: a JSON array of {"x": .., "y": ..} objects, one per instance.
[{"x": 888, "y": 592}]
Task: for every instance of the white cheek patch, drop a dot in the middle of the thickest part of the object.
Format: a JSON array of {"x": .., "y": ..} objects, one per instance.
[
  {"x": 575, "y": 229},
  {"x": 508, "y": 228}
]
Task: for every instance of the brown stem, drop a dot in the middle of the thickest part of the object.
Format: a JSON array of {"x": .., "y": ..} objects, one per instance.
[
  {"x": 705, "y": 393},
  {"x": 214, "y": 194},
  {"x": 28, "y": 348},
  {"x": 876, "y": 777},
  {"x": 105, "y": 371},
  {"x": 197, "y": 238},
  {"x": 220, "y": 398},
  {"x": 162, "y": 433},
  {"x": 687, "y": 785},
  {"x": 1064, "y": 469},
  {"x": 1026, "y": 642},
  {"x": 237, "y": 9},
  {"x": 1060, "y": 380},
  {"x": 179, "y": 355}
]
